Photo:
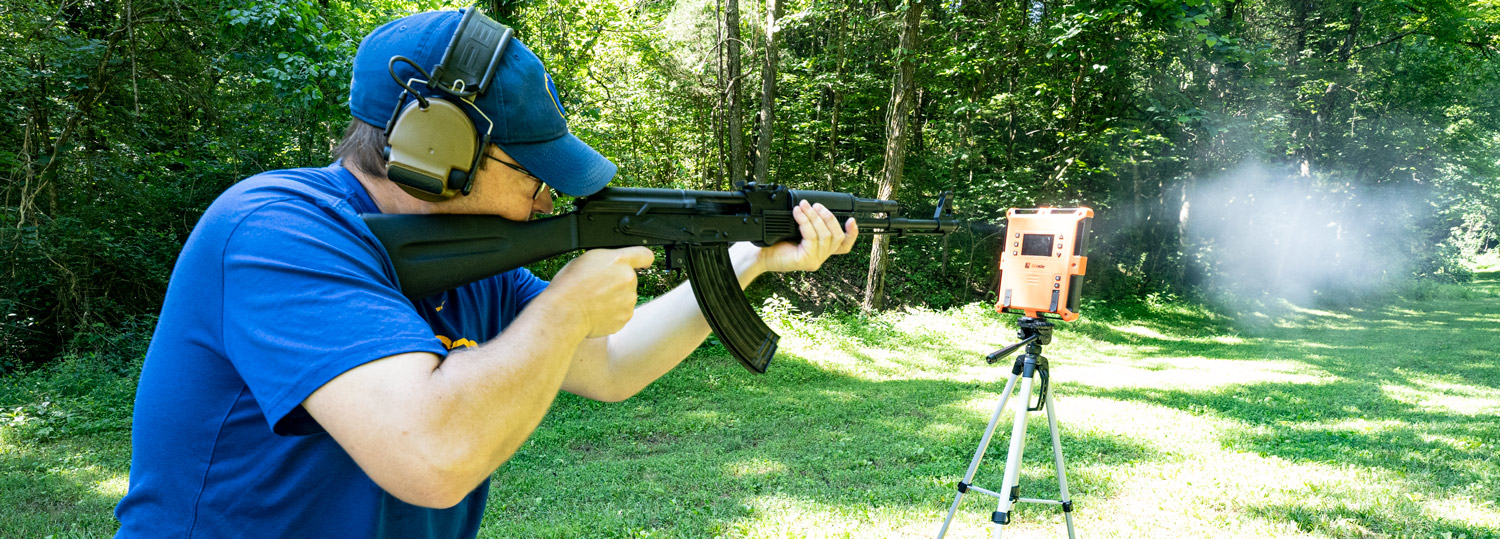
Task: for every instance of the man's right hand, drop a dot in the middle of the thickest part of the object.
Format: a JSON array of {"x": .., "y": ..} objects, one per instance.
[
  {"x": 600, "y": 286},
  {"x": 427, "y": 430}
]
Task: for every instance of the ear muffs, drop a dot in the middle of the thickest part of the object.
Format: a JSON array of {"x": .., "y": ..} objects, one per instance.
[
  {"x": 431, "y": 150},
  {"x": 432, "y": 147}
]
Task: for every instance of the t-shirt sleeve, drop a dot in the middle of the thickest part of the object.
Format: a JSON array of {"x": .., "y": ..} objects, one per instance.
[
  {"x": 526, "y": 287},
  {"x": 308, "y": 296}
]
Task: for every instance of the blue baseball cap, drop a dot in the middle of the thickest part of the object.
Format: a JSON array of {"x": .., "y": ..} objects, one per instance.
[{"x": 521, "y": 100}]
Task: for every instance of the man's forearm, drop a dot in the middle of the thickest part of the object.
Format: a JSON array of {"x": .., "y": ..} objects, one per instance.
[{"x": 660, "y": 335}]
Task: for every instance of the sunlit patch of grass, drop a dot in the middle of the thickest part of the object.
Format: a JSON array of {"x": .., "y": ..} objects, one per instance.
[
  {"x": 755, "y": 467},
  {"x": 113, "y": 485},
  {"x": 63, "y": 487},
  {"x": 1460, "y": 399},
  {"x": 1144, "y": 332}
]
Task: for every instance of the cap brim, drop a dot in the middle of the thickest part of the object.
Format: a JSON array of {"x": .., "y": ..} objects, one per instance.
[{"x": 566, "y": 163}]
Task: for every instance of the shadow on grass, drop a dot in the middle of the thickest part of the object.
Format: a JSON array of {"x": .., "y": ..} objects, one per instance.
[
  {"x": 1408, "y": 391},
  {"x": 1341, "y": 423},
  {"x": 1344, "y": 521},
  {"x": 1377, "y": 345}
]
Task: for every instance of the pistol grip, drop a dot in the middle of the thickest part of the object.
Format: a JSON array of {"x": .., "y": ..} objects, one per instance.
[{"x": 724, "y": 306}]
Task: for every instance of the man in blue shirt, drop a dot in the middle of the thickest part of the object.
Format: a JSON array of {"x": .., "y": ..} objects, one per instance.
[{"x": 292, "y": 391}]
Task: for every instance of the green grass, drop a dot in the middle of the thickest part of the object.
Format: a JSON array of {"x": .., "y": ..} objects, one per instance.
[
  {"x": 62, "y": 487},
  {"x": 1376, "y": 420},
  {"x": 1372, "y": 421}
]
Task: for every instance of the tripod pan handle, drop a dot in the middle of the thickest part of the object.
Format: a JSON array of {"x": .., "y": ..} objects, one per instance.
[{"x": 1003, "y": 352}]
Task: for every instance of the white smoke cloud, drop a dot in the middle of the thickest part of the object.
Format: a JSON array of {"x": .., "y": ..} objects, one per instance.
[{"x": 1259, "y": 234}]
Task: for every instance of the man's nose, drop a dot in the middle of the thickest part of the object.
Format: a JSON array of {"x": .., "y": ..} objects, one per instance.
[{"x": 544, "y": 203}]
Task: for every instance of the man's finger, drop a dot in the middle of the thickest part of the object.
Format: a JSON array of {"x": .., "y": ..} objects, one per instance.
[
  {"x": 637, "y": 257},
  {"x": 851, "y": 233},
  {"x": 799, "y": 213},
  {"x": 835, "y": 232},
  {"x": 820, "y": 234}
]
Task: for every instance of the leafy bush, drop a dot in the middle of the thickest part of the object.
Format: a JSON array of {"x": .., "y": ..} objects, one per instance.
[
  {"x": 88, "y": 391},
  {"x": 1445, "y": 264},
  {"x": 1427, "y": 289},
  {"x": 76, "y": 395}
]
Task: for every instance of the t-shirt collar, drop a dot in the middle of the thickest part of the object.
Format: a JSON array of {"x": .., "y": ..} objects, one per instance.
[{"x": 358, "y": 197}]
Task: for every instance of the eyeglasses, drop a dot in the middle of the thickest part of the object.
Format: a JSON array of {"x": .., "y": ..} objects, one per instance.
[{"x": 540, "y": 185}]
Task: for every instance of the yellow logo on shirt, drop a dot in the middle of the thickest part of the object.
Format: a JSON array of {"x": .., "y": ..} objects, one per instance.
[{"x": 451, "y": 344}]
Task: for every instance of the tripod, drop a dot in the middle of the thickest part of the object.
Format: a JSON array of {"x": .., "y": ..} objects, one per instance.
[{"x": 1034, "y": 333}]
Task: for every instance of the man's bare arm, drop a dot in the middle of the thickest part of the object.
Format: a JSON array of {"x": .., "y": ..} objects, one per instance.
[
  {"x": 664, "y": 331},
  {"x": 429, "y": 431}
]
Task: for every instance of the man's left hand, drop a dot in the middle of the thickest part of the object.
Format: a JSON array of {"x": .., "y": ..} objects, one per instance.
[{"x": 822, "y": 237}]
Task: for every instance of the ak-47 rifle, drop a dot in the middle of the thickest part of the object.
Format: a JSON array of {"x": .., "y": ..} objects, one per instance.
[{"x": 435, "y": 253}]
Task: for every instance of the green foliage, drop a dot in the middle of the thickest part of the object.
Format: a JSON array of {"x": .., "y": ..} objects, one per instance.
[
  {"x": 89, "y": 391},
  {"x": 130, "y": 116},
  {"x": 1426, "y": 289}
]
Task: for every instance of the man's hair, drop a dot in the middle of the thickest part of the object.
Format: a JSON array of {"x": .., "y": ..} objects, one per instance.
[{"x": 362, "y": 148}]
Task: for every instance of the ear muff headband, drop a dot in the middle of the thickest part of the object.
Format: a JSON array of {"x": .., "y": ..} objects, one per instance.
[
  {"x": 472, "y": 55},
  {"x": 433, "y": 148}
]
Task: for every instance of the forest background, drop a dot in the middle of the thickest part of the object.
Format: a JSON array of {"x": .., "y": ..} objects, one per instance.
[{"x": 1234, "y": 151}]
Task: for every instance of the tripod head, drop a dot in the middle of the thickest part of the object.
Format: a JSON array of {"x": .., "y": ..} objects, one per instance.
[{"x": 1033, "y": 332}]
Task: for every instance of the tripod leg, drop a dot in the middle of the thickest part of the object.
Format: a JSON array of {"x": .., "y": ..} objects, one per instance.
[
  {"x": 1057, "y": 456},
  {"x": 1013, "y": 461},
  {"x": 984, "y": 444}
]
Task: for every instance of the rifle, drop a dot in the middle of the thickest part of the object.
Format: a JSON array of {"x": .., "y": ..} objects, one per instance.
[{"x": 435, "y": 253}]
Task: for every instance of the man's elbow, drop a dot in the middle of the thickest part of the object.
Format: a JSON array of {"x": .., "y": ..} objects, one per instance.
[
  {"x": 605, "y": 392},
  {"x": 431, "y": 496},
  {"x": 603, "y": 386},
  {"x": 436, "y": 478},
  {"x": 618, "y": 395}
]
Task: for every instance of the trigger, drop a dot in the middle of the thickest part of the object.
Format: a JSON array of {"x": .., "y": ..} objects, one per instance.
[{"x": 676, "y": 258}]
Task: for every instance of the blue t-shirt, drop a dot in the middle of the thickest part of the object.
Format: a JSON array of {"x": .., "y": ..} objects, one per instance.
[{"x": 280, "y": 288}]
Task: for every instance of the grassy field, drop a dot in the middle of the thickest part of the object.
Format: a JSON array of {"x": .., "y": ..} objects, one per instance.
[{"x": 1380, "y": 420}]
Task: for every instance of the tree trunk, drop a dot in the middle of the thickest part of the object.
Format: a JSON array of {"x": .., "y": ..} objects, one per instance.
[
  {"x": 1138, "y": 202},
  {"x": 918, "y": 122},
  {"x": 767, "y": 95},
  {"x": 1184, "y": 213},
  {"x": 736, "y": 126},
  {"x": 833, "y": 141},
  {"x": 720, "y": 83},
  {"x": 837, "y": 99},
  {"x": 1356, "y": 16},
  {"x": 1303, "y": 125},
  {"x": 903, "y": 91}
]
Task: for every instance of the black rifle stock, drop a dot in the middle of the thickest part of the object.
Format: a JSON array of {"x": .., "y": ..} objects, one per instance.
[{"x": 435, "y": 253}]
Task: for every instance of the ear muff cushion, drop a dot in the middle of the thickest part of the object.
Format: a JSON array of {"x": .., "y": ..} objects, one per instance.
[{"x": 429, "y": 146}]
